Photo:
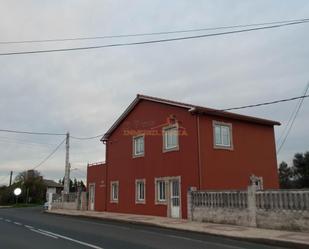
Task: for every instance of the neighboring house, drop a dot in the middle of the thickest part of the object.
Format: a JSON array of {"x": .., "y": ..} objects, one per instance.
[
  {"x": 158, "y": 149},
  {"x": 52, "y": 187}
]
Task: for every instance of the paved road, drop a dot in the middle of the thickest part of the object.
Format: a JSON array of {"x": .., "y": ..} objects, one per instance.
[{"x": 31, "y": 228}]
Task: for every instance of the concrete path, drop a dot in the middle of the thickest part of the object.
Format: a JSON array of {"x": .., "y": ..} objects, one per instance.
[{"x": 274, "y": 237}]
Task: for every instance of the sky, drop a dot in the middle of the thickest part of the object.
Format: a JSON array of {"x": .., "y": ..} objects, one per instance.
[{"x": 84, "y": 92}]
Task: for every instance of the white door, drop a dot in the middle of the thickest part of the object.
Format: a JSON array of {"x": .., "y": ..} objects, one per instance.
[
  {"x": 91, "y": 197},
  {"x": 175, "y": 198}
]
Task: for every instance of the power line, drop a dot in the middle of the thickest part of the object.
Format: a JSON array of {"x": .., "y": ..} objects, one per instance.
[
  {"x": 227, "y": 109},
  {"x": 292, "y": 115},
  {"x": 33, "y": 133},
  {"x": 293, "y": 120},
  {"x": 100, "y": 135},
  {"x": 152, "y": 41},
  {"x": 151, "y": 33},
  {"x": 87, "y": 138},
  {"x": 23, "y": 141},
  {"x": 265, "y": 103},
  {"x": 49, "y": 156}
]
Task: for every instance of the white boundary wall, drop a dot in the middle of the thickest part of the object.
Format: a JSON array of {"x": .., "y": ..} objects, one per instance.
[{"x": 277, "y": 209}]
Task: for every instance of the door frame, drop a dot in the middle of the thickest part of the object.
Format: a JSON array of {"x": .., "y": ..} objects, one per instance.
[
  {"x": 168, "y": 180},
  {"x": 169, "y": 197},
  {"x": 89, "y": 200}
]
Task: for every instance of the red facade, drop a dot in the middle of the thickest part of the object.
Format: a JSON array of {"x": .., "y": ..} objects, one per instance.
[
  {"x": 196, "y": 162},
  {"x": 96, "y": 178}
]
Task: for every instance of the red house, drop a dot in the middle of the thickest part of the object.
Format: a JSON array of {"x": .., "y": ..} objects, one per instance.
[{"x": 158, "y": 149}]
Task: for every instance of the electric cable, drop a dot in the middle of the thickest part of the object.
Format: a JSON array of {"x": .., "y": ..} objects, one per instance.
[{"x": 152, "y": 41}]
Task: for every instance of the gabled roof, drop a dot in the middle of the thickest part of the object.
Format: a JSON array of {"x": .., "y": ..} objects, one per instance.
[
  {"x": 194, "y": 109},
  {"x": 52, "y": 184}
]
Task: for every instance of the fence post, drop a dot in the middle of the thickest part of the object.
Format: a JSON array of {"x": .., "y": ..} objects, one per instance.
[
  {"x": 190, "y": 203},
  {"x": 252, "y": 205},
  {"x": 50, "y": 200}
]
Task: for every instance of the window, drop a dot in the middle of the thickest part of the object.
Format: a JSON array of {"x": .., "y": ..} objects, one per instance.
[
  {"x": 114, "y": 191},
  {"x": 170, "y": 138},
  {"x": 140, "y": 191},
  {"x": 222, "y": 135},
  {"x": 138, "y": 146},
  {"x": 161, "y": 191}
]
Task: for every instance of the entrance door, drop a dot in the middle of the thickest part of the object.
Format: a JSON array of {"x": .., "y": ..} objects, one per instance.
[
  {"x": 91, "y": 196},
  {"x": 175, "y": 198}
]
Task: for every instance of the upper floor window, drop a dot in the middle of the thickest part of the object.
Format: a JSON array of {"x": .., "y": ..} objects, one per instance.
[
  {"x": 140, "y": 191},
  {"x": 114, "y": 191},
  {"x": 170, "y": 138},
  {"x": 222, "y": 135},
  {"x": 138, "y": 146}
]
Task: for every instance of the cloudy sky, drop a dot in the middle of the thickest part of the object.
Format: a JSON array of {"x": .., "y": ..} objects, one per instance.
[{"x": 85, "y": 91}]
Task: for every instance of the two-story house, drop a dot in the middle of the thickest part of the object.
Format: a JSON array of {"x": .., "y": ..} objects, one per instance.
[{"x": 158, "y": 149}]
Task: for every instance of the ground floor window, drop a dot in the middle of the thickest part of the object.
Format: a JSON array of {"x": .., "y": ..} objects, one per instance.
[
  {"x": 114, "y": 191},
  {"x": 140, "y": 188},
  {"x": 160, "y": 191}
]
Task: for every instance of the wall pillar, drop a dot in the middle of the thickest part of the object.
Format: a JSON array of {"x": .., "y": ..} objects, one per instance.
[
  {"x": 252, "y": 205},
  {"x": 190, "y": 203},
  {"x": 83, "y": 201},
  {"x": 189, "y": 207},
  {"x": 50, "y": 200}
]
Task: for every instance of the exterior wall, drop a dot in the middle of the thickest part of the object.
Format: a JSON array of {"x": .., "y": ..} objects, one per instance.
[
  {"x": 50, "y": 190},
  {"x": 253, "y": 152},
  {"x": 148, "y": 116},
  {"x": 97, "y": 174}
]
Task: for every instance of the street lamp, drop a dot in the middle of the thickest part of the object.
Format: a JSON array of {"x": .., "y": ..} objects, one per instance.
[{"x": 17, "y": 192}]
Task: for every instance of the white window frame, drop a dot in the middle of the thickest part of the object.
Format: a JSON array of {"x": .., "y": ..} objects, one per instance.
[
  {"x": 112, "y": 197},
  {"x": 134, "y": 145},
  {"x": 139, "y": 200},
  {"x": 164, "y": 133},
  {"x": 158, "y": 199},
  {"x": 221, "y": 145}
]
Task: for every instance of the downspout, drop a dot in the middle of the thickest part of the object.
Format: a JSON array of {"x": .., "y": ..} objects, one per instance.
[
  {"x": 106, "y": 170},
  {"x": 199, "y": 150}
]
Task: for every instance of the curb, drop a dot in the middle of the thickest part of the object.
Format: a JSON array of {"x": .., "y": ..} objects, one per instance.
[{"x": 273, "y": 242}]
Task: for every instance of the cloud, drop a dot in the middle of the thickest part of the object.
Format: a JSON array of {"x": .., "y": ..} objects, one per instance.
[{"x": 85, "y": 91}]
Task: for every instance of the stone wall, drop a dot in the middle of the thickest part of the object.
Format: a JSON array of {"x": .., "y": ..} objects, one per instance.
[
  {"x": 234, "y": 216},
  {"x": 275, "y": 209},
  {"x": 71, "y": 202},
  {"x": 64, "y": 205},
  {"x": 283, "y": 220}
]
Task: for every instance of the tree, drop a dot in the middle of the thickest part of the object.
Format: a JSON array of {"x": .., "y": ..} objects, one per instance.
[
  {"x": 75, "y": 185},
  {"x": 301, "y": 169},
  {"x": 82, "y": 185},
  {"x": 32, "y": 185},
  {"x": 285, "y": 176}
]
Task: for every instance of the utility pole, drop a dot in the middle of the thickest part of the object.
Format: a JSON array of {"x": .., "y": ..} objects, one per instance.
[
  {"x": 66, "y": 187},
  {"x": 11, "y": 174}
]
